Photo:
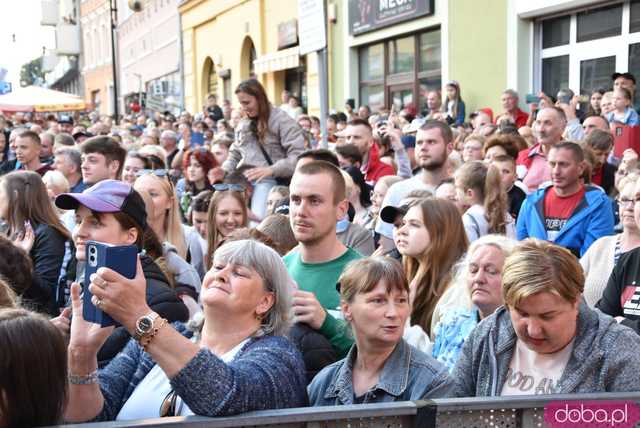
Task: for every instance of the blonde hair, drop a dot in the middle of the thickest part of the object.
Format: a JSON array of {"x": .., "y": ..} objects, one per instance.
[
  {"x": 172, "y": 224},
  {"x": 537, "y": 266},
  {"x": 486, "y": 182},
  {"x": 56, "y": 179}
]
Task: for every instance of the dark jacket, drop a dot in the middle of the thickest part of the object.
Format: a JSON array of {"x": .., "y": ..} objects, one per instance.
[
  {"x": 621, "y": 296},
  {"x": 608, "y": 177},
  {"x": 267, "y": 373},
  {"x": 316, "y": 350},
  {"x": 47, "y": 255},
  {"x": 603, "y": 358},
  {"x": 160, "y": 297},
  {"x": 7, "y": 166}
]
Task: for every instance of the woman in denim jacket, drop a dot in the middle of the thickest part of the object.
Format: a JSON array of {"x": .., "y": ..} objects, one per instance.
[{"x": 381, "y": 366}]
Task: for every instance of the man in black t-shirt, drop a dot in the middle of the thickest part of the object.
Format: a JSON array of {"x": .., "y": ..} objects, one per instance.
[{"x": 213, "y": 110}]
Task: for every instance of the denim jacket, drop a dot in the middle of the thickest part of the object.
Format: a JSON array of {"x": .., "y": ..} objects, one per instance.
[{"x": 408, "y": 374}]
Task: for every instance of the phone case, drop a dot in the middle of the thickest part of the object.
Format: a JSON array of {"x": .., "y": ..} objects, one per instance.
[{"x": 122, "y": 259}]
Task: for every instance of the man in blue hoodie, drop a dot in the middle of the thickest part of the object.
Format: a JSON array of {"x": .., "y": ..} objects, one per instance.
[{"x": 569, "y": 213}]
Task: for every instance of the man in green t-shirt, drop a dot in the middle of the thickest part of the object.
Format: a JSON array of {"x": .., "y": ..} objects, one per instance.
[{"x": 318, "y": 201}]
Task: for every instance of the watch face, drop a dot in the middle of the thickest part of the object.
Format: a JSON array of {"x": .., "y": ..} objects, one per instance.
[{"x": 145, "y": 324}]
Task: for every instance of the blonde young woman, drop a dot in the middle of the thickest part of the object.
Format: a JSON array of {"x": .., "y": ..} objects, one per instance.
[
  {"x": 481, "y": 194},
  {"x": 166, "y": 222},
  {"x": 227, "y": 212}
]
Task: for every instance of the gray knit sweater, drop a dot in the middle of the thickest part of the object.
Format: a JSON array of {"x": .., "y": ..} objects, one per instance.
[{"x": 604, "y": 357}]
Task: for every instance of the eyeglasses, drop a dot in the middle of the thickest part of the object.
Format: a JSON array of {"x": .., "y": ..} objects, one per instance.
[
  {"x": 223, "y": 187},
  {"x": 157, "y": 172},
  {"x": 169, "y": 404},
  {"x": 626, "y": 201}
]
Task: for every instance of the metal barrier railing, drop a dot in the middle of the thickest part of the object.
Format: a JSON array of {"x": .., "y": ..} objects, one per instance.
[{"x": 504, "y": 412}]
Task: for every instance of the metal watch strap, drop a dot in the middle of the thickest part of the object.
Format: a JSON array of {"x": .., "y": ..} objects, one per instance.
[{"x": 139, "y": 334}]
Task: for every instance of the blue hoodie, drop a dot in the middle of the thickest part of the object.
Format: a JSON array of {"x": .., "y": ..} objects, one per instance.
[{"x": 592, "y": 219}]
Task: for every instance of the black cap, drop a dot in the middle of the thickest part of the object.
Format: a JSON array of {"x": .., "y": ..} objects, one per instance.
[
  {"x": 389, "y": 213},
  {"x": 82, "y": 134},
  {"x": 626, "y": 75}
]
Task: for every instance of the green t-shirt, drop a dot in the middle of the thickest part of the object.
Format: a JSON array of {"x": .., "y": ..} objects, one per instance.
[{"x": 321, "y": 279}]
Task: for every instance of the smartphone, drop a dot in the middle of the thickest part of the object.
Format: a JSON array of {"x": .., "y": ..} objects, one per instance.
[
  {"x": 197, "y": 139},
  {"x": 532, "y": 99},
  {"x": 122, "y": 259}
]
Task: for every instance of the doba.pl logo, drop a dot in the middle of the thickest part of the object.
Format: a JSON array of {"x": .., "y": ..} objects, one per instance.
[{"x": 596, "y": 414}]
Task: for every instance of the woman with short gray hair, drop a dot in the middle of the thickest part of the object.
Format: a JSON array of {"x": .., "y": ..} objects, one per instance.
[{"x": 237, "y": 361}]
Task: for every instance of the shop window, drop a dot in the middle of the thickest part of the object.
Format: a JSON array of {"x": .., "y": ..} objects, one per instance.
[
  {"x": 372, "y": 62},
  {"x": 555, "y": 32},
  {"x": 634, "y": 59},
  {"x": 555, "y": 74},
  {"x": 596, "y": 73},
  {"x": 373, "y": 96},
  {"x": 599, "y": 23},
  {"x": 401, "y": 55},
  {"x": 634, "y": 17},
  {"x": 430, "y": 56}
]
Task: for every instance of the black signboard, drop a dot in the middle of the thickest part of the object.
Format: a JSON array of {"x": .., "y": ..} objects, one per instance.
[{"x": 369, "y": 15}]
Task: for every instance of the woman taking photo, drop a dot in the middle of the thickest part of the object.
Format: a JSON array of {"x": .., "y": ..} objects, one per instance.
[
  {"x": 236, "y": 362},
  {"x": 112, "y": 212},
  {"x": 381, "y": 366},
  {"x": 478, "y": 281},
  {"x": 227, "y": 212},
  {"x": 267, "y": 139},
  {"x": 431, "y": 240},
  {"x": 481, "y": 195},
  {"x": 34, "y": 226}
]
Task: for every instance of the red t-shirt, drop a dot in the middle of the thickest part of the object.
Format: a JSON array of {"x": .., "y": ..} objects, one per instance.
[
  {"x": 596, "y": 178},
  {"x": 557, "y": 210}
]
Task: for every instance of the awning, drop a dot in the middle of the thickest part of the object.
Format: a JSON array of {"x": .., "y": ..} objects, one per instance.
[
  {"x": 35, "y": 98},
  {"x": 276, "y": 61}
]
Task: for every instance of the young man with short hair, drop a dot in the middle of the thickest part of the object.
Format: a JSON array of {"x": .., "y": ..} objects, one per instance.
[
  {"x": 102, "y": 159},
  {"x": 359, "y": 133},
  {"x": 601, "y": 143},
  {"x": 318, "y": 201},
  {"x": 28, "y": 147},
  {"x": 567, "y": 213}
]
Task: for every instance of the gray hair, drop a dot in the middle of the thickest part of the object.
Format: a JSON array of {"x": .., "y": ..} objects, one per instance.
[
  {"x": 72, "y": 154},
  {"x": 501, "y": 242},
  {"x": 270, "y": 267},
  {"x": 510, "y": 92},
  {"x": 169, "y": 134},
  {"x": 63, "y": 139}
]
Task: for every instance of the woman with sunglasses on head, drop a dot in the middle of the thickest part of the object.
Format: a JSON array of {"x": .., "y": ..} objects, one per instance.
[
  {"x": 113, "y": 213},
  {"x": 236, "y": 360},
  {"x": 267, "y": 138},
  {"x": 227, "y": 212}
]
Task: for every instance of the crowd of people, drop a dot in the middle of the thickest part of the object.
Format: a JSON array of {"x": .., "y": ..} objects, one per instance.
[{"x": 424, "y": 253}]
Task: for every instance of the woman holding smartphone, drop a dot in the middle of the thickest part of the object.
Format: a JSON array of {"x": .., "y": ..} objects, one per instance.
[
  {"x": 112, "y": 212},
  {"x": 35, "y": 227}
]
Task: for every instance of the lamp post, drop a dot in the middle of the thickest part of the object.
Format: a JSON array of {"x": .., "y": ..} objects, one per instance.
[{"x": 113, "y": 12}]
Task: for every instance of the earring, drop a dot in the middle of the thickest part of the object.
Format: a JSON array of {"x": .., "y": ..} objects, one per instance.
[{"x": 258, "y": 317}]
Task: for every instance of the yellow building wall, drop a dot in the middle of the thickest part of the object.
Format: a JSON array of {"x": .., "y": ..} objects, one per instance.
[{"x": 218, "y": 29}]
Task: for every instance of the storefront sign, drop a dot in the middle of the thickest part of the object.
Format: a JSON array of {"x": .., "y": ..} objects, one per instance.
[
  {"x": 369, "y": 15},
  {"x": 288, "y": 34},
  {"x": 311, "y": 26}
]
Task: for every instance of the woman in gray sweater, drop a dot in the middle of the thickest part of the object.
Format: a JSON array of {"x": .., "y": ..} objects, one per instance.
[{"x": 546, "y": 340}]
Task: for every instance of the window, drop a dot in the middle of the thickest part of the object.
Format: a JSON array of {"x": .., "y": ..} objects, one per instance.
[
  {"x": 596, "y": 73},
  {"x": 555, "y": 74},
  {"x": 599, "y": 23},
  {"x": 400, "y": 70},
  {"x": 555, "y": 32},
  {"x": 581, "y": 50}
]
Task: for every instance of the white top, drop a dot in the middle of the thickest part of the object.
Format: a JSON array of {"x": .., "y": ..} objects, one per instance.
[
  {"x": 531, "y": 373},
  {"x": 476, "y": 225},
  {"x": 146, "y": 399}
]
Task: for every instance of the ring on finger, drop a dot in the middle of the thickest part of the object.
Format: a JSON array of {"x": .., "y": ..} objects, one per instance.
[{"x": 98, "y": 303}]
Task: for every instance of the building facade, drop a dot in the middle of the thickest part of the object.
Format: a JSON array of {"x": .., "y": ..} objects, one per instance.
[
  {"x": 149, "y": 54},
  {"x": 96, "y": 47}
]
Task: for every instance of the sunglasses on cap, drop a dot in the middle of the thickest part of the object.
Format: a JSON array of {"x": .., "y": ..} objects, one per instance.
[
  {"x": 223, "y": 187},
  {"x": 157, "y": 172}
]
